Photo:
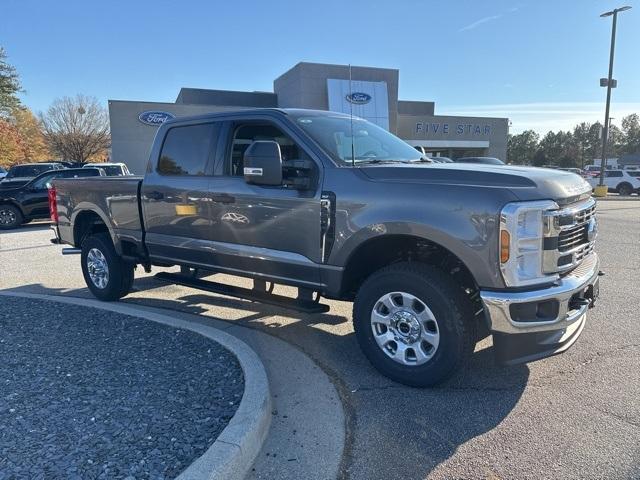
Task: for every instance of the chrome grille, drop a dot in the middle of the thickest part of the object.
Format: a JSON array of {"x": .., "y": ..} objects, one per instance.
[
  {"x": 567, "y": 237},
  {"x": 571, "y": 238}
]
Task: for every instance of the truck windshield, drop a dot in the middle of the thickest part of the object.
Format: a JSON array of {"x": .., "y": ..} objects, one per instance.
[{"x": 371, "y": 144}]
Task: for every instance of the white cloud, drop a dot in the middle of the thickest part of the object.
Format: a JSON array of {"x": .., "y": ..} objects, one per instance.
[
  {"x": 473, "y": 25},
  {"x": 543, "y": 117}
]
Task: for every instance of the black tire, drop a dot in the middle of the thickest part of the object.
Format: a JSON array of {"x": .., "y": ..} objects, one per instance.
[
  {"x": 10, "y": 217},
  {"x": 120, "y": 273},
  {"x": 449, "y": 305},
  {"x": 625, "y": 189}
]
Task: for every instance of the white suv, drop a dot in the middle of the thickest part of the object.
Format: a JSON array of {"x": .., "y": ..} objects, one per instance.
[{"x": 625, "y": 182}]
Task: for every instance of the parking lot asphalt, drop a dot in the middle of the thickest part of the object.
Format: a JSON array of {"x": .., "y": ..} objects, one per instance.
[{"x": 576, "y": 415}]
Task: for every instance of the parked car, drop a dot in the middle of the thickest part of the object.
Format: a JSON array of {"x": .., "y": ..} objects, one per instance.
[
  {"x": 21, "y": 174},
  {"x": 20, "y": 204},
  {"x": 623, "y": 182},
  {"x": 483, "y": 160},
  {"x": 434, "y": 256},
  {"x": 111, "y": 169},
  {"x": 3, "y": 173}
]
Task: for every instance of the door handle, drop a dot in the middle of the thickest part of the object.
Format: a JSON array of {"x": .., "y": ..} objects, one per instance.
[
  {"x": 155, "y": 195},
  {"x": 222, "y": 198}
]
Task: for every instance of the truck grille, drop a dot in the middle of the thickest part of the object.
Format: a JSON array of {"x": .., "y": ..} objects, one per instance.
[
  {"x": 567, "y": 242},
  {"x": 573, "y": 237}
]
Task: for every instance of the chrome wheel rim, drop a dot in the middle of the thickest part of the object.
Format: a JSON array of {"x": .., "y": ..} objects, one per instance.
[
  {"x": 7, "y": 217},
  {"x": 97, "y": 268},
  {"x": 404, "y": 328}
]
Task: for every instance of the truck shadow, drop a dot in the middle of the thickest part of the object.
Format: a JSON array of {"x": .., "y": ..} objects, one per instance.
[{"x": 393, "y": 431}]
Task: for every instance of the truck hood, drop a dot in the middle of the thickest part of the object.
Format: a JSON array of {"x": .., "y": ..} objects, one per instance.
[{"x": 526, "y": 183}]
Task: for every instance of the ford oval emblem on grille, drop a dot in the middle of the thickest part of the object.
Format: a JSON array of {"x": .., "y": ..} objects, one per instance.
[
  {"x": 154, "y": 117},
  {"x": 358, "y": 98}
]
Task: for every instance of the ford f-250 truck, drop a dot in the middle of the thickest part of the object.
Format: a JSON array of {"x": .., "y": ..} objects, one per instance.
[{"x": 434, "y": 256}]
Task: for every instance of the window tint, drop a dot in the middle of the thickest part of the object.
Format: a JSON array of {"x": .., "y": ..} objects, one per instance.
[
  {"x": 186, "y": 149},
  {"x": 245, "y": 134},
  {"x": 613, "y": 173}
]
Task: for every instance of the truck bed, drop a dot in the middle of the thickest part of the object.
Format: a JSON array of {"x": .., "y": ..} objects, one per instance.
[{"x": 116, "y": 198}]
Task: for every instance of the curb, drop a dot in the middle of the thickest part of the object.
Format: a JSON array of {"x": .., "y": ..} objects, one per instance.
[
  {"x": 234, "y": 451},
  {"x": 617, "y": 199}
]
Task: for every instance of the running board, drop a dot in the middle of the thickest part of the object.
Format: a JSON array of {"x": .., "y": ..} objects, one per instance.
[{"x": 306, "y": 306}]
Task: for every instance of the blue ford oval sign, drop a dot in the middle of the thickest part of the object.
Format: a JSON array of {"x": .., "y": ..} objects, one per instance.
[
  {"x": 154, "y": 117},
  {"x": 358, "y": 98}
]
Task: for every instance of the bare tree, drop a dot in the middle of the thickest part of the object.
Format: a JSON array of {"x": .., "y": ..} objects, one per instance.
[{"x": 76, "y": 128}]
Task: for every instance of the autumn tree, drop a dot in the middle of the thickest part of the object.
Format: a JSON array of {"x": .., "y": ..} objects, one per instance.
[
  {"x": 10, "y": 143},
  {"x": 76, "y": 129},
  {"x": 34, "y": 147}
]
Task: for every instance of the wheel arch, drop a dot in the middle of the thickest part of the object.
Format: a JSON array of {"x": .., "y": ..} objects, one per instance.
[
  {"x": 86, "y": 222},
  {"x": 13, "y": 203},
  {"x": 378, "y": 252}
]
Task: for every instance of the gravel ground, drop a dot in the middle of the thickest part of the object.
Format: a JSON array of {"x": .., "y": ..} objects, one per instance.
[{"x": 86, "y": 393}]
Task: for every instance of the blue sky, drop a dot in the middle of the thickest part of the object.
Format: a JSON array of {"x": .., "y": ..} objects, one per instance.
[{"x": 536, "y": 62}]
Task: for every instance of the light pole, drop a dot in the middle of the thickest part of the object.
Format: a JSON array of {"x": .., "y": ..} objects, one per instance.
[{"x": 610, "y": 83}]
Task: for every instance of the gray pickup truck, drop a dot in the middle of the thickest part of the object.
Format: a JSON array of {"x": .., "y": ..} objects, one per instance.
[{"x": 434, "y": 256}]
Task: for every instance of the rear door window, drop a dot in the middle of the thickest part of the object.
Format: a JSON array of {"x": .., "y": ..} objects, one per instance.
[{"x": 187, "y": 150}]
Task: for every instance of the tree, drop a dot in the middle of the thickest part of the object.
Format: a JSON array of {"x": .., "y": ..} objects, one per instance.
[
  {"x": 539, "y": 159},
  {"x": 34, "y": 146},
  {"x": 76, "y": 129},
  {"x": 10, "y": 143},
  {"x": 630, "y": 134},
  {"x": 582, "y": 140},
  {"x": 9, "y": 87},
  {"x": 522, "y": 147}
]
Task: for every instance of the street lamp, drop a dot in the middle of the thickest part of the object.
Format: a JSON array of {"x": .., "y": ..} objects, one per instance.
[{"x": 609, "y": 83}]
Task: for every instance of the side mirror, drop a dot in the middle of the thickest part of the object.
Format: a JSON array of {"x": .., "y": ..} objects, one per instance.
[{"x": 263, "y": 163}]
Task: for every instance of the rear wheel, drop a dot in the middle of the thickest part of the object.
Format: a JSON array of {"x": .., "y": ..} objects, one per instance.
[
  {"x": 10, "y": 217},
  {"x": 106, "y": 274},
  {"x": 414, "y": 323},
  {"x": 625, "y": 189}
]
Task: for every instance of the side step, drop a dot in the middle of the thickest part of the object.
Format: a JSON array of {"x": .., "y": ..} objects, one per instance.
[{"x": 302, "y": 305}]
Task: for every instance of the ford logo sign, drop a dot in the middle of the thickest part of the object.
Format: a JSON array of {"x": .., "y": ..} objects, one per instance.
[
  {"x": 358, "y": 98},
  {"x": 155, "y": 118}
]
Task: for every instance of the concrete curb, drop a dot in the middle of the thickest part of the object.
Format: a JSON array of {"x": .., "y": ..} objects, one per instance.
[
  {"x": 234, "y": 451},
  {"x": 617, "y": 199}
]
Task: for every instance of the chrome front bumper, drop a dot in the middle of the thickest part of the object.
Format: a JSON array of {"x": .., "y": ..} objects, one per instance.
[{"x": 534, "y": 324}]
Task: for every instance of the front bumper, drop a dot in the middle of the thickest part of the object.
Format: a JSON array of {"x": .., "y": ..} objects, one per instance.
[{"x": 530, "y": 325}]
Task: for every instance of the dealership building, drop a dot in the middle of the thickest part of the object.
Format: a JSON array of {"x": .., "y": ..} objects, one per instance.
[{"x": 368, "y": 92}]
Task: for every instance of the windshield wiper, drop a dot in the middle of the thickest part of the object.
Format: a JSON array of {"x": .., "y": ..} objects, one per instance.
[{"x": 377, "y": 160}]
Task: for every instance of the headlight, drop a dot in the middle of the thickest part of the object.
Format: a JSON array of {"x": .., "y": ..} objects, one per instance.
[{"x": 521, "y": 242}]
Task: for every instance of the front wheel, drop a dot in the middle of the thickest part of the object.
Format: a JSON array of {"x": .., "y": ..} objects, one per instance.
[
  {"x": 106, "y": 274},
  {"x": 414, "y": 323}
]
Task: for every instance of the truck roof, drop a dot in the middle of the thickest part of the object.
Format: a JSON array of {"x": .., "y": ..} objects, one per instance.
[{"x": 253, "y": 111}]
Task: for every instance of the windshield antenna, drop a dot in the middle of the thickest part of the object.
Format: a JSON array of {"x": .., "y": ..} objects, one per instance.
[{"x": 349, "y": 98}]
